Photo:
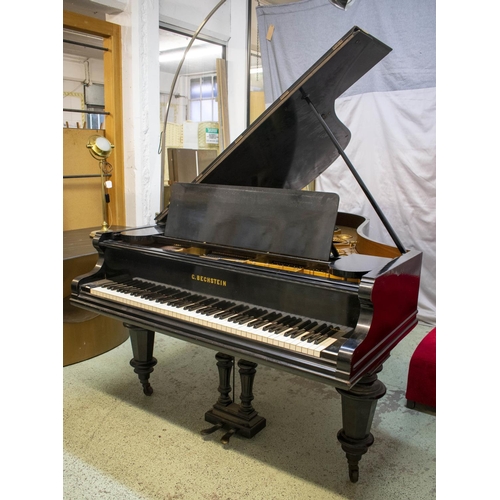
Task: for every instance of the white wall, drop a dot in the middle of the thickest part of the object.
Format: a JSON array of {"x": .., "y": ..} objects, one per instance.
[
  {"x": 141, "y": 86},
  {"x": 141, "y": 97}
]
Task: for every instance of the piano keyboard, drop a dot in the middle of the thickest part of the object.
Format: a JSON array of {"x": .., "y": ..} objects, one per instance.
[{"x": 303, "y": 335}]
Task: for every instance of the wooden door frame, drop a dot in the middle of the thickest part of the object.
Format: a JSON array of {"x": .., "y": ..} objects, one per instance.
[{"x": 111, "y": 34}]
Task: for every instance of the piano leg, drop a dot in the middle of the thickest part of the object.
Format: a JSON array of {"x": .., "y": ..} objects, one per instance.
[
  {"x": 247, "y": 376},
  {"x": 225, "y": 365},
  {"x": 143, "y": 361},
  {"x": 358, "y": 408},
  {"x": 241, "y": 418}
]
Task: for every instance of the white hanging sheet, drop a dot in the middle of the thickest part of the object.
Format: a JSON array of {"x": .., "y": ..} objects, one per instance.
[{"x": 391, "y": 113}]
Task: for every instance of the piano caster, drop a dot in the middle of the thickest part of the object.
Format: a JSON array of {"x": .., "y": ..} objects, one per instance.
[
  {"x": 354, "y": 450},
  {"x": 353, "y": 473},
  {"x": 147, "y": 389}
]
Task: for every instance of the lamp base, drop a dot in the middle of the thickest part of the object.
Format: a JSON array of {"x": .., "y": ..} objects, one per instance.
[{"x": 103, "y": 229}]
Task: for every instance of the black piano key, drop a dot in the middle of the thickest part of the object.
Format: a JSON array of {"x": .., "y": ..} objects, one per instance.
[
  {"x": 206, "y": 301},
  {"x": 121, "y": 286},
  {"x": 167, "y": 296},
  {"x": 116, "y": 284},
  {"x": 152, "y": 292},
  {"x": 168, "y": 299},
  {"x": 138, "y": 286},
  {"x": 251, "y": 315},
  {"x": 143, "y": 289},
  {"x": 188, "y": 300},
  {"x": 303, "y": 330},
  {"x": 213, "y": 307},
  {"x": 164, "y": 295},
  {"x": 268, "y": 318},
  {"x": 242, "y": 316},
  {"x": 195, "y": 302},
  {"x": 269, "y": 323},
  {"x": 327, "y": 334},
  {"x": 127, "y": 289},
  {"x": 323, "y": 336},
  {"x": 274, "y": 323},
  {"x": 230, "y": 311},
  {"x": 288, "y": 326},
  {"x": 221, "y": 307},
  {"x": 257, "y": 313},
  {"x": 298, "y": 327},
  {"x": 314, "y": 331},
  {"x": 177, "y": 298},
  {"x": 260, "y": 319},
  {"x": 280, "y": 325},
  {"x": 236, "y": 318},
  {"x": 312, "y": 334}
]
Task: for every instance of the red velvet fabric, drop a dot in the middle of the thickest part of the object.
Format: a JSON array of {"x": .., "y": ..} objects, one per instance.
[{"x": 421, "y": 387}]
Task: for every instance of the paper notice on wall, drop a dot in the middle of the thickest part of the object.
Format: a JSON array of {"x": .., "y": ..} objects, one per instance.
[{"x": 212, "y": 135}]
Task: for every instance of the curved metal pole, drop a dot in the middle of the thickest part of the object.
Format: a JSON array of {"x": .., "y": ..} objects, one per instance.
[{"x": 174, "y": 81}]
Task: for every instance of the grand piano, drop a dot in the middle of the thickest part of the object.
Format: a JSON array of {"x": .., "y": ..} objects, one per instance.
[{"x": 247, "y": 262}]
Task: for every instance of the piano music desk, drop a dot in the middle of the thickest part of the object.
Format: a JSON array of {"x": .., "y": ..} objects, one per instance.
[{"x": 85, "y": 334}]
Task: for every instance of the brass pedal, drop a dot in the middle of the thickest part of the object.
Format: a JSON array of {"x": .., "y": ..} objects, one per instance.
[
  {"x": 211, "y": 429},
  {"x": 227, "y": 436}
]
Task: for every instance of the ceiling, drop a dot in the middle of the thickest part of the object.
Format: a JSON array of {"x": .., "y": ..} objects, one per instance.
[{"x": 171, "y": 45}]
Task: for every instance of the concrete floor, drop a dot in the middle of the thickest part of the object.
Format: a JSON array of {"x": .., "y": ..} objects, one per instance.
[{"x": 121, "y": 444}]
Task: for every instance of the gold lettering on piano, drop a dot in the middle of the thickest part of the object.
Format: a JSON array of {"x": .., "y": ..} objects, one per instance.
[{"x": 207, "y": 279}]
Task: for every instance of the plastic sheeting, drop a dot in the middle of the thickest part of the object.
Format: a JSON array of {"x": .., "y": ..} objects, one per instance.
[{"x": 391, "y": 113}]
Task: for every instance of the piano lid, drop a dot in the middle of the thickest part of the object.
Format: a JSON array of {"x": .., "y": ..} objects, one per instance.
[{"x": 286, "y": 147}]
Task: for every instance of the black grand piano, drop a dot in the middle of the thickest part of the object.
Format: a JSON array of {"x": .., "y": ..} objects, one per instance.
[{"x": 244, "y": 261}]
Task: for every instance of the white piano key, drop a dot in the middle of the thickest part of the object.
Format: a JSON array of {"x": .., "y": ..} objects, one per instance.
[{"x": 258, "y": 334}]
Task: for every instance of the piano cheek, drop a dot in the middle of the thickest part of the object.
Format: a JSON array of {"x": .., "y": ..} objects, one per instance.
[{"x": 394, "y": 300}]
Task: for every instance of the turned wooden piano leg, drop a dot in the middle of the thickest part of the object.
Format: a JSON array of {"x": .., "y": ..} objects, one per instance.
[
  {"x": 358, "y": 408},
  {"x": 225, "y": 366},
  {"x": 143, "y": 361},
  {"x": 247, "y": 371}
]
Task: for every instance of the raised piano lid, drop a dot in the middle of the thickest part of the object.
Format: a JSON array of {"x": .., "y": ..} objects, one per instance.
[{"x": 286, "y": 147}]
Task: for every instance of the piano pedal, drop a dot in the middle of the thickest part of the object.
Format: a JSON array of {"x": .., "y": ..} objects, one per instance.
[
  {"x": 233, "y": 420},
  {"x": 227, "y": 436},
  {"x": 211, "y": 430}
]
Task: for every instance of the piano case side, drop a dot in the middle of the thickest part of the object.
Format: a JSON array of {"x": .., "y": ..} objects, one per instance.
[{"x": 389, "y": 307}]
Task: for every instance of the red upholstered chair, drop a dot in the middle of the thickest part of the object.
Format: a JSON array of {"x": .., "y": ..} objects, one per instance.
[{"x": 421, "y": 387}]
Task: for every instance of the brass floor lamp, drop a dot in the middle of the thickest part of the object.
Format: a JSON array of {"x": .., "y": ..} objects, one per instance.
[{"x": 100, "y": 148}]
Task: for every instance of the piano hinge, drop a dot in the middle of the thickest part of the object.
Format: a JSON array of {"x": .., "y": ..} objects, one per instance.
[{"x": 284, "y": 95}]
